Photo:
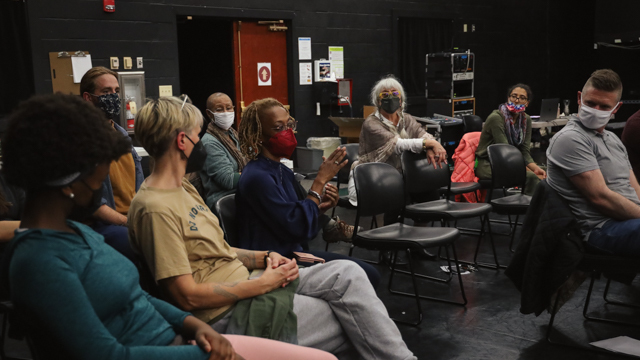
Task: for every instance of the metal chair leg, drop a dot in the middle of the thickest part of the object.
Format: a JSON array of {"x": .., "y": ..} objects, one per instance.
[
  {"x": 493, "y": 249},
  {"x": 483, "y": 233},
  {"x": 415, "y": 288},
  {"x": 553, "y": 316},
  {"x": 513, "y": 234},
  {"x": 446, "y": 301},
  {"x": 614, "y": 302},
  {"x": 455, "y": 256},
  {"x": 585, "y": 311},
  {"x": 573, "y": 346}
]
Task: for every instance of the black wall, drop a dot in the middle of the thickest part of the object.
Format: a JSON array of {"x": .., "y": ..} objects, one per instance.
[
  {"x": 15, "y": 59},
  {"x": 545, "y": 44}
]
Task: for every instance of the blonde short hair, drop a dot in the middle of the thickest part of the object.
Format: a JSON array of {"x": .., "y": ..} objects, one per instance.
[{"x": 160, "y": 121}]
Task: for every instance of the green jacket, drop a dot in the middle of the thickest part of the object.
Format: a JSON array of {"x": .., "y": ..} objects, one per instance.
[
  {"x": 268, "y": 316},
  {"x": 220, "y": 172}
]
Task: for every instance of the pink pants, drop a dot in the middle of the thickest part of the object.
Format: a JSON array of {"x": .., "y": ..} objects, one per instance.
[{"x": 253, "y": 348}]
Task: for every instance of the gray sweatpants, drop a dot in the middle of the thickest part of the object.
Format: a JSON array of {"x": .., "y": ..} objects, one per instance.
[
  {"x": 336, "y": 305},
  {"x": 339, "y": 311}
]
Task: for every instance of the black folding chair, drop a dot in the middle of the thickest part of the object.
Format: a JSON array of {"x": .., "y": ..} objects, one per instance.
[
  {"x": 343, "y": 175},
  {"x": 226, "y": 209},
  {"x": 471, "y": 123},
  {"x": 421, "y": 177},
  {"x": 508, "y": 170},
  {"x": 380, "y": 189},
  {"x": 596, "y": 265}
]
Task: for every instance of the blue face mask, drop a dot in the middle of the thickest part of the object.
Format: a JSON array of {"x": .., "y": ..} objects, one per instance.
[{"x": 109, "y": 104}]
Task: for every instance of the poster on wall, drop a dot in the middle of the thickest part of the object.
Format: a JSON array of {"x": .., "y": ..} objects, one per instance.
[
  {"x": 322, "y": 71},
  {"x": 304, "y": 48},
  {"x": 336, "y": 55},
  {"x": 264, "y": 74},
  {"x": 305, "y": 73}
]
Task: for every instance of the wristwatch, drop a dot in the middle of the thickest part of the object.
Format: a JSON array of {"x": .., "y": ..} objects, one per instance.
[{"x": 315, "y": 195}]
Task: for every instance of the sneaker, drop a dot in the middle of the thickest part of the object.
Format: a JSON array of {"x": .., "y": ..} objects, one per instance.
[{"x": 339, "y": 231}]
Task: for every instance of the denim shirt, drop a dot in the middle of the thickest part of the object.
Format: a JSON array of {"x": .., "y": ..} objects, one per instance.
[{"x": 107, "y": 190}]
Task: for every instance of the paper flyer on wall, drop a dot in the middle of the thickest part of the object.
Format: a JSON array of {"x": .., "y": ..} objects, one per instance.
[
  {"x": 336, "y": 55},
  {"x": 304, "y": 48},
  {"x": 305, "y": 73}
]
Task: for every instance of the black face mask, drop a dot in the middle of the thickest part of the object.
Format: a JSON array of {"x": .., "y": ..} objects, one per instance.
[
  {"x": 196, "y": 160},
  {"x": 82, "y": 213},
  {"x": 390, "y": 104},
  {"x": 110, "y": 105}
]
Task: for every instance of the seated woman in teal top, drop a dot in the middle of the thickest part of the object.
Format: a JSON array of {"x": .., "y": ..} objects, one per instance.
[
  {"x": 78, "y": 297},
  {"x": 225, "y": 162}
]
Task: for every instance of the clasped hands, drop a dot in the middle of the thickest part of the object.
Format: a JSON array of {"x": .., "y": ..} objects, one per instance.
[{"x": 279, "y": 271}]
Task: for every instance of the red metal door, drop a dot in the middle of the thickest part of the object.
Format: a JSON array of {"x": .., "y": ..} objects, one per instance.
[{"x": 254, "y": 43}]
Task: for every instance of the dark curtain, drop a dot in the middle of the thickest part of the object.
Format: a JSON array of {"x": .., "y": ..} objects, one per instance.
[
  {"x": 206, "y": 67},
  {"x": 17, "y": 77},
  {"x": 418, "y": 37}
]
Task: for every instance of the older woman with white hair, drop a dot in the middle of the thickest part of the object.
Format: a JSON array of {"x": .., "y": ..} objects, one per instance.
[{"x": 390, "y": 131}]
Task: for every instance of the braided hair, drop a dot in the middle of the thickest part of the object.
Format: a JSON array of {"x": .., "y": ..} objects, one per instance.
[{"x": 250, "y": 129}]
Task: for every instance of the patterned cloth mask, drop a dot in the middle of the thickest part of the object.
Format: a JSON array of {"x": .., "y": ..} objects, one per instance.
[
  {"x": 515, "y": 108},
  {"x": 109, "y": 104}
]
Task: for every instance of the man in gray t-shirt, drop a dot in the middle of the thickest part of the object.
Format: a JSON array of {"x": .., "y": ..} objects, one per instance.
[{"x": 590, "y": 168}]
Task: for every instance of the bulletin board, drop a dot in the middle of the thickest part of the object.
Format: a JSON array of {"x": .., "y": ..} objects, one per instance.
[{"x": 62, "y": 71}]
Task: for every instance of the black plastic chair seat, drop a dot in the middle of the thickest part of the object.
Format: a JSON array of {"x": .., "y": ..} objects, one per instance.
[
  {"x": 458, "y": 188},
  {"x": 401, "y": 237},
  {"x": 443, "y": 209},
  {"x": 513, "y": 204}
]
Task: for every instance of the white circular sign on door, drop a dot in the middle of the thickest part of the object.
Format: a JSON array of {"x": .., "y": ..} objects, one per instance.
[{"x": 264, "y": 74}]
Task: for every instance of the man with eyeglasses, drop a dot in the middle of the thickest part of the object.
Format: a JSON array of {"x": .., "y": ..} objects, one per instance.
[
  {"x": 100, "y": 87},
  {"x": 225, "y": 161},
  {"x": 590, "y": 168}
]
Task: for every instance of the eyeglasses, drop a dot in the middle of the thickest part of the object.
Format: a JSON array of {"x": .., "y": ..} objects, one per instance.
[
  {"x": 224, "y": 109},
  {"x": 186, "y": 97},
  {"x": 291, "y": 124},
  {"x": 515, "y": 97},
  {"x": 388, "y": 94}
]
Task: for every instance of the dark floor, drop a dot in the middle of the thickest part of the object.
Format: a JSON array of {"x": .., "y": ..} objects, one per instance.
[{"x": 490, "y": 326}]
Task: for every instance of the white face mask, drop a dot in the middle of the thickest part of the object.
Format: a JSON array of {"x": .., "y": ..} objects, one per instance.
[
  {"x": 593, "y": 118},
  {"x": 223, "y": 120}
]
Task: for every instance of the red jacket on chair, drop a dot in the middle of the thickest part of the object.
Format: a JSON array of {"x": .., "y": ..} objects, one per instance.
[{"x": 464, "y": 162}]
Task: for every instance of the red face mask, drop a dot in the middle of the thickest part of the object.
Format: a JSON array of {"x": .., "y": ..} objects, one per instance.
[{"x": 282, "y": 144}]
